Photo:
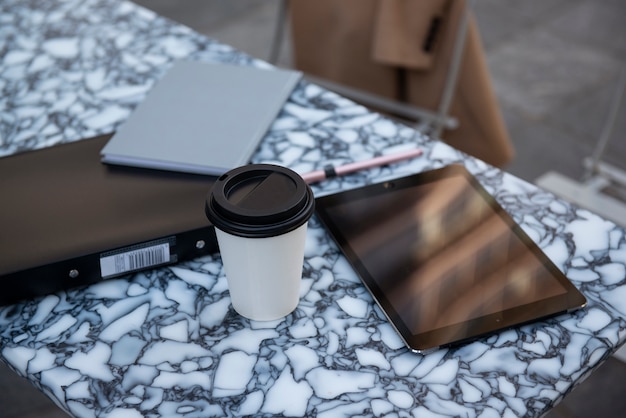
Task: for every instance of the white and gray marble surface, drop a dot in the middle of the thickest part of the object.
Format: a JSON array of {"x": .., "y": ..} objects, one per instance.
[{"x": 166, "y": 342}]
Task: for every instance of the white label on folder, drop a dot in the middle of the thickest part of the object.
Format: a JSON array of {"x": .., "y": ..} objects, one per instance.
[{"x": 135, "y": 259}]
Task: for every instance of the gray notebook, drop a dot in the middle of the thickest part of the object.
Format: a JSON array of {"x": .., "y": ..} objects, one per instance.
[{"x": 203, "y": 118}]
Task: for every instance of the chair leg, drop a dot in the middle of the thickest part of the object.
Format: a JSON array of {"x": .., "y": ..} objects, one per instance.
[
  {"x": 593, "y": 167},
  {"x": 279, "y": 32},
  {"x": 453, "y": 74}
]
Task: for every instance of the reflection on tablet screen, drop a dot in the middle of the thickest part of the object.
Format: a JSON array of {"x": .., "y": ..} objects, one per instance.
[{"x": 442, "y": 257}]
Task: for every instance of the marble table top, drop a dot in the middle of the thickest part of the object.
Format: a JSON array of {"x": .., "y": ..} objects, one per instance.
[{"x": 166, "y": 342}]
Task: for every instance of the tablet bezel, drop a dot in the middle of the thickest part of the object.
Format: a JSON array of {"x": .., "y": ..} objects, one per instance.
[{"x": 471, "y": 328}]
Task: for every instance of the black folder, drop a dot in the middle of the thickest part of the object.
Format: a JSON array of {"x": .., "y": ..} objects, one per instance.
[{"x": 67, "y": 220}]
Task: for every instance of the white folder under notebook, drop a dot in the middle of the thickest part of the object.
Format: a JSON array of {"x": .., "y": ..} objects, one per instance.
[{"x": 203, "y": 118}]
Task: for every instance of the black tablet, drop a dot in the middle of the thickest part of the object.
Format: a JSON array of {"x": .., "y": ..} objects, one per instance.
[{"x": 443, "y": 259}]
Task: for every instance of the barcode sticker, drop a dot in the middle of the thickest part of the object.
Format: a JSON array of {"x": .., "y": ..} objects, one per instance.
[{"x": 134, "y": 259}]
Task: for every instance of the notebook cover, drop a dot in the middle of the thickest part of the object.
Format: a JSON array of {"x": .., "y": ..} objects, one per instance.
[
  {"x": 202, "y": 118},
  {"x": 68, "y": 220}
]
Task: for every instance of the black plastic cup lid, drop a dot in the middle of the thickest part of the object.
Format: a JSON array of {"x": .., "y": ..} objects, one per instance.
[{"x": 259, "y": 200}]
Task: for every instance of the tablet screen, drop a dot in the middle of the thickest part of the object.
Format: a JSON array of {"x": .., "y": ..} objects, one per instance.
[{"x": 444, "y": 261}]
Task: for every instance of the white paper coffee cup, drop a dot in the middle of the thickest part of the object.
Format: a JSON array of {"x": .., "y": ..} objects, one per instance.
[{"x": 260, "y": 213}]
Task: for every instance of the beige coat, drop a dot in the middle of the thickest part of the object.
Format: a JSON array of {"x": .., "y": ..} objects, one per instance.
[{"x": 401, "y": 49}]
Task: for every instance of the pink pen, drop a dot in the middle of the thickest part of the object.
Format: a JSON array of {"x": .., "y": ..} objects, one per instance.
[{"x": 330, "y": 171}]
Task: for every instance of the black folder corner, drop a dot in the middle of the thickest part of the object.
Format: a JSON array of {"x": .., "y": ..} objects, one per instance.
[{"x": 67, "y": 220}]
